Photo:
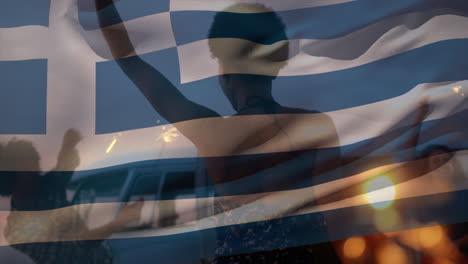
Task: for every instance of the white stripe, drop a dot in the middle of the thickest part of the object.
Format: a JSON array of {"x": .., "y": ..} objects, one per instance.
[
  {"x": 147, "y": 144},
  {"x": 148, "y": 34},
  {"x": 22, "y": 43},
  {"x": 397, "y": 40},
  {"x": 256, "y": 208},
  {"x": 276, "y": 5}
]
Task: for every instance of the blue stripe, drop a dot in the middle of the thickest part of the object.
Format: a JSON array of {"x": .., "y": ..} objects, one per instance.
[
  {"x": 120, "y": 106},
  {"x": 129, "y": 9},
  {"x": 23, "y": 102},
  {"x": 14, "y": 13},
  {"x": 414, "y": 212},
  {"x": 310, "y": 23}
]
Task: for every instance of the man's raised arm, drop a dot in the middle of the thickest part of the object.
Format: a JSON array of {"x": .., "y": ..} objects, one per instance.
[{"x": 165, "y": 98}]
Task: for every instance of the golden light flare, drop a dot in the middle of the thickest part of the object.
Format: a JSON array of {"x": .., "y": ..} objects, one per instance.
[
  {"x": 457, "y": 90},
  {"x": 391, "y": 254},
  {"x": 410, "y": 238},
  {"x": 354, "y": 247},
  {"x": 168, "y": 135},
  {"x": 380, "y": 192},
  {"x": 433, "y": 241},
  {"x": 430, "y": 237},
  {"x": 112, "y": 144}
]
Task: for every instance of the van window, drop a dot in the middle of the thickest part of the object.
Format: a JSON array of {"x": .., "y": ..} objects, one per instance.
[
  {"x": 167, "y": 199},
  {"x": 177, "y": 203},
  {"x": 99, "y": 197},
  {"x": 146, "y": 186}
]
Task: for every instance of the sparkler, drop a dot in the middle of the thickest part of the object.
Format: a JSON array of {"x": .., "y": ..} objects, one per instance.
[{"x": 111, "y": 146}]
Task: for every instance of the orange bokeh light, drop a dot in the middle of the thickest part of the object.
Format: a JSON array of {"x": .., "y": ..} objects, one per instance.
[
  {"x": 354, "y": 247},
  {"x": 430, "y": 236},
  {"x": 391, "y": 254}
]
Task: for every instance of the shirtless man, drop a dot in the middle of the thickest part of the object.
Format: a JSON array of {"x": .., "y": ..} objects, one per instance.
[{"x": 272, "y": 146}]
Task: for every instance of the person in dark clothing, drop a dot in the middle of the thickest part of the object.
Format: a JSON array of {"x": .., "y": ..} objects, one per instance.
[{"x": 42, "y": 224}]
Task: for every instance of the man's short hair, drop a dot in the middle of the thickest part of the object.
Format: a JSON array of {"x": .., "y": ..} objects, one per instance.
[
  {"x": 253, "y": 22},
  {"x": 17, "y": 155}
]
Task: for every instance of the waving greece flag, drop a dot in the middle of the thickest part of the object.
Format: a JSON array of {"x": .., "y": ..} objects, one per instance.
[{"x": 233, "y": 131}]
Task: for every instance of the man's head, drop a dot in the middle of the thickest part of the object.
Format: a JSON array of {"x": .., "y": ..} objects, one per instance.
[
  {"x": 17, "y": 158},
  {"x": 248, "y": 39},
  {"x": 20, "y": 155}
]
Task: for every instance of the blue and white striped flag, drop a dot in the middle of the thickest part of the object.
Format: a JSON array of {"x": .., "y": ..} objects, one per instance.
[{"x": 144, "y": 131}]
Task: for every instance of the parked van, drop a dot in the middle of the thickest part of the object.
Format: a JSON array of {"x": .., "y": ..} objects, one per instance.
[{"x": 167, "y": 188}]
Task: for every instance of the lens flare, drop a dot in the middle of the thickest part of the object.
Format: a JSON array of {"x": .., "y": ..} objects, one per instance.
[{"x": 380, "y": 192}]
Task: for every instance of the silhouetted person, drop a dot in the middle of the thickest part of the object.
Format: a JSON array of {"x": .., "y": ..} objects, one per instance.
[
  {"x": 34, "y": 227},
  {"x": 266, "y": 145},
  {"x": 450, "y": 176}
]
